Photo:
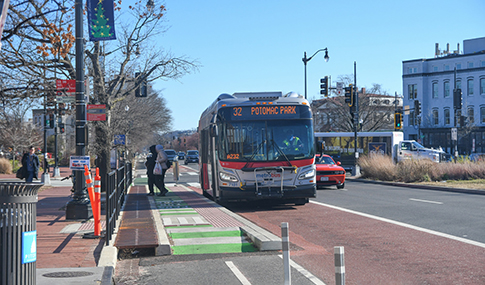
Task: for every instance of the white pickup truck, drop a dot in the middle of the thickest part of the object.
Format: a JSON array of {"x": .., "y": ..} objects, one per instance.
[{"x": 410, "y": 149}]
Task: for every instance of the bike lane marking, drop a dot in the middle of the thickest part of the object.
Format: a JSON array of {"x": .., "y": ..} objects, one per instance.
[{"x": 238, "y": 273}]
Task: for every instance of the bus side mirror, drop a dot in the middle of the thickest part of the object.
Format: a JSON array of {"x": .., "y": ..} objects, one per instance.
[{"x": 214, "y": 132}]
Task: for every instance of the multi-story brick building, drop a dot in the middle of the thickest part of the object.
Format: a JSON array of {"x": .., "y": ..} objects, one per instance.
[{"x": 432, "y": 81}]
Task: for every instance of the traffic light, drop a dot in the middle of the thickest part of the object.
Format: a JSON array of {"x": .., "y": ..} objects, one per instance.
[
  {"x": 47, "y": 121},
  {"x": 142, "y": 86},
  {"x": 349, "y": 95},
  {"x": 398, "y": 120},
  {"x": 457, "y": 98},
  {"x": 417, "y": 107},
  {"x": 51, "y": 121},
  {"x": 62, "y": 128},
  {"x": 324, "y": 86},
  {"x": 51, "y": 100}
]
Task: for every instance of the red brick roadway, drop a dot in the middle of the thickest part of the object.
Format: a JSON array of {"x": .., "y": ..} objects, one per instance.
[{"x": 376, "y": 252}]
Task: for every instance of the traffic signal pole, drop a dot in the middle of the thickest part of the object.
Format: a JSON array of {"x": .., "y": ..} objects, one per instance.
[{"x": 356, "y": 169}]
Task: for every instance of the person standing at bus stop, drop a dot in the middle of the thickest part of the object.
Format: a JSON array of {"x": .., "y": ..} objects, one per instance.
[
  {"x": 162, "y": 158},
  {"x": 155, "y": 179},
  {"x": 30, "y": 165}
]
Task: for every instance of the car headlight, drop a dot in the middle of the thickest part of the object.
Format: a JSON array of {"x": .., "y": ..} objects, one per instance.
[
  {"x": 307, "y": 174},
  {"x": 227, "y": 177}
]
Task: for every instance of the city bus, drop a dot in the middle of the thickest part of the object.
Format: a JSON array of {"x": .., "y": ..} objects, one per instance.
[{"x": 257, "y": 146}]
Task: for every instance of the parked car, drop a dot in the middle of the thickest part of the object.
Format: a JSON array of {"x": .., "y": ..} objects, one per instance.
[
  {"x": 477, "y": 157},
  {"x": 181, "y": 155},
  {"x": 192, "y": 156},
  {"x": 172, "y": 154},
  {"x": 329, "y": 172}
]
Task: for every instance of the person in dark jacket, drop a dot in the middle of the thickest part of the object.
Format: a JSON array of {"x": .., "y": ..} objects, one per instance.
[
  {"x": 30, "y": 165},
  {"x": 152, "y": 178}
]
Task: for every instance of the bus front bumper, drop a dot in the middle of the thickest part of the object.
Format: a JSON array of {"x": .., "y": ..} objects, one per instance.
[{"x": 251, "y": 193}]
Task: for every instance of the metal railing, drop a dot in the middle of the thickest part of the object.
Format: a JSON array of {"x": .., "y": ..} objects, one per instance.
[{"x": 118, "y": 182}]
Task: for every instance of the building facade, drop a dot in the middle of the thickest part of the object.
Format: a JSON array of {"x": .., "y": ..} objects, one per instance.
[{"x": 432, "y": 82}]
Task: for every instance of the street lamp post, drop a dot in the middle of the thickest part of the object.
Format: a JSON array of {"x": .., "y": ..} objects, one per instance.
[
  {"x": 305, "y": 60},
  {"x": 79, "y": 207}
]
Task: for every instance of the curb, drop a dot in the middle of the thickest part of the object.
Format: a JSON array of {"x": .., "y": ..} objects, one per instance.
[
  {"x": 163, "y": 241},
  {"x": 427, "y": 187}
]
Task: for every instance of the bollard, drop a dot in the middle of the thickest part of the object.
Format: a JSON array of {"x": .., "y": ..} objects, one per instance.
[
  {"x": 89, "y": 184},
  {"x": 97, "y": 203},
  {"x": 285, "y": 240},
  {"x": 339, "y": 265}
]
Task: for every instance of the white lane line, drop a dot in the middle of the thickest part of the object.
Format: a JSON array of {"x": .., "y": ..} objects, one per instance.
[
  {"x": 305, "y": 272},
  {"x": 238, "y": 273},
  {"x": 464, "y": 240},
  {"x": 426, "y": 201}
]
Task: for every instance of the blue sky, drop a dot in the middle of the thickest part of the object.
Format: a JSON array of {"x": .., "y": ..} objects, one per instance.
[{"x": 258, "y": 45}]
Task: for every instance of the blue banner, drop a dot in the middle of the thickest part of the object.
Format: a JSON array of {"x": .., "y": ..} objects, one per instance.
[{"x": 101, "y": 21}]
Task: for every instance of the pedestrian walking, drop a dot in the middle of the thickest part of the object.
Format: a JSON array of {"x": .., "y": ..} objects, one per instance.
[{"x": 30, "y": 165}]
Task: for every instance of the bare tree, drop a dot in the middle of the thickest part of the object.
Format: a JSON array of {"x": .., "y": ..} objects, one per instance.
[
  {"x": 16, "y": 131},
  {"x": 333, "y": 114},
  {"x": 46, "y": 28}
]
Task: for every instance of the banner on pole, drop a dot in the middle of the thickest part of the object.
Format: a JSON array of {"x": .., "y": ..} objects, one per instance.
[{"x": 101, "y": 21}]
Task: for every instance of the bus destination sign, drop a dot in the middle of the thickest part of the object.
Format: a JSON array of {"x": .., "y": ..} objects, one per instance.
[{"x": 265, "y": 112}]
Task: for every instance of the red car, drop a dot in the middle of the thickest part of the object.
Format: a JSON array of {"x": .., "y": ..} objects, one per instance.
[{"x": 329, "y": 172}]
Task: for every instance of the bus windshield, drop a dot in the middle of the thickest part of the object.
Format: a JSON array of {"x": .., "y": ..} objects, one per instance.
[{"x": 268, "y": 140}]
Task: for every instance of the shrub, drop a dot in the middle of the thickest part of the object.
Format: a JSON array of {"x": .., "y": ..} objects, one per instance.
[
  {"x": 377, "y": 166},
  {"x": 5, "y": 166}
]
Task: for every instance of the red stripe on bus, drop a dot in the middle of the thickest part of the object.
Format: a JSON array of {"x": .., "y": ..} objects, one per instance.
[{"x": 240, "y": 165}]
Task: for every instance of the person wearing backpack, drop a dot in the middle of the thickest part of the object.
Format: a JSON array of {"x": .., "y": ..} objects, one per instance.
[{"x": 155, "y": 179}]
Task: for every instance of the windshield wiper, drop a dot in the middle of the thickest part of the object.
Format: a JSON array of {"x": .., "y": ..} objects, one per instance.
[
  {"x": 254, "y": 153},
  {"x": 273, "y": 143}
]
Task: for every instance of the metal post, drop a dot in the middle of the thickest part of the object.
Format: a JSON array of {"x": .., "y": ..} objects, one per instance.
[
  {"x": 45, "y": 176},
  {"x": 79, "y": 207},
  {"x": 339, "y": 265},
  {"x": 285, "y": 240},
  {"x": 305, "y": 60},
  {"x": 454, "y": 117},
  {"x": 356, "y": 170}
]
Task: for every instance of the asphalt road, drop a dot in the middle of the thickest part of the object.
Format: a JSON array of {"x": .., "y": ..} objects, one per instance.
[{"x": 457, "y": 214}]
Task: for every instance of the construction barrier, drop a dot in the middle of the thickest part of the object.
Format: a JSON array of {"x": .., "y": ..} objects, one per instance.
[
  {"x": 92, "y": 197},
  {"x": 97, "y": 204}
]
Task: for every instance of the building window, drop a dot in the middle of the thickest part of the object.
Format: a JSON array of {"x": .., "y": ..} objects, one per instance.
[
  {"x": 469, "y": 87},
  {"x": 411, "y": 118},
  {"x": 471, "y": 115},
  {"x": 435, "y": 117},
  {"x": 470, "y": 65},
  {"x": 413, "y": 91},
  {"x": 482, "y": 86},
  {"x": 447, "y": 116},
  {"x": 482, "y": 115},
  {"x": 458, "y": 84},
  {"x": 447, "y": 67},
  {"x": 447, "y": 89},
  {"x": 435, "y": 68},
  {"x": 435, "y": 89},
  {"x": 483, "y": 63},
  {"x": 458, "y": 66}
]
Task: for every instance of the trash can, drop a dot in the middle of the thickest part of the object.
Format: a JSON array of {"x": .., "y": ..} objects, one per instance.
[{"x": 18, "y": 235}]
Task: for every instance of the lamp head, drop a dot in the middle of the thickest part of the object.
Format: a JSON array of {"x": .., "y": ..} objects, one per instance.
[{"x": 326, "y": 57}]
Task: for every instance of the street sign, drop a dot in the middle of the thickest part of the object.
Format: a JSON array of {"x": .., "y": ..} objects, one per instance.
[
  {"x": 96, "y": 112},
  {"x": 78, "y": 162},
  {"x": 120, "y": 140},
  {"x": 340, "y": 88},
  {"x": 454, "y": 134},
  {"x": 66, "y": 90}
]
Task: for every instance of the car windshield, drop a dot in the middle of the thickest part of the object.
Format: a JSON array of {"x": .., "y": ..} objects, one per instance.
[
  {"x": 325, "y": 160},
  {"x": 192, "y": 152},
  {"x": 170, "y": 152}
]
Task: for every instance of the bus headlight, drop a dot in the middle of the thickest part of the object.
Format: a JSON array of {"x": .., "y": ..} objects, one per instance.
[
  {"x": 227, "y": 177},
  {"x": 307, "y": 174}
]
